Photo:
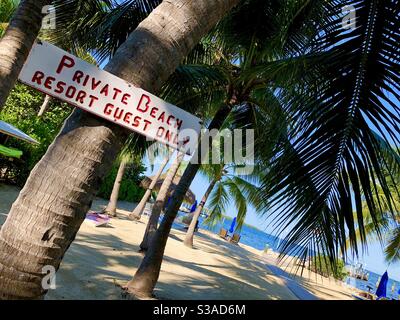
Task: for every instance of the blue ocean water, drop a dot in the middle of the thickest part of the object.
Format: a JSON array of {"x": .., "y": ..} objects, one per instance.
[
  {"x": 259, "y": 240},
  {"x": 392, "y": 289}
]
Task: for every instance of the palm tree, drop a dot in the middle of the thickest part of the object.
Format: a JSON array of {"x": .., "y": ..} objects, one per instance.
[
  {"x": 39, "y": 232},
  {"x": 224, "y": 187},
  {"x": 134, "y": 149},
  {"x": 388, "y": 214},
  {"x": 111, "y": 208},
  {"x": 17, "y": 41},
  {"x": 325, "y": 77},
  {"x": 137, "y": 212},
  {"x": 159, "y": 204}
]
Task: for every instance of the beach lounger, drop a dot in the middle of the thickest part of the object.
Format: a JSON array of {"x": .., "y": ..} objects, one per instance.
[
  {"x": 223, "y": 233},
  {"x": 235, "y": 239}
]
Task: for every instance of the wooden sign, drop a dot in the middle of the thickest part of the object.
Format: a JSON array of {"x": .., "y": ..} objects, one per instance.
[{"x": 70, "y": 79}]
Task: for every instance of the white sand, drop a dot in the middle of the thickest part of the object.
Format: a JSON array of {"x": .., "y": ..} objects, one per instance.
[{"x": 101, "y": 259}]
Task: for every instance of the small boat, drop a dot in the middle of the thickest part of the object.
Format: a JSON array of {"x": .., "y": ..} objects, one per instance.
[{"x": 358, "y": 272}]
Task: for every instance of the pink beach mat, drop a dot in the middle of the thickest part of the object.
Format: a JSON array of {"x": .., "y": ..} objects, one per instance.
[{"x": 98, "y": 219}]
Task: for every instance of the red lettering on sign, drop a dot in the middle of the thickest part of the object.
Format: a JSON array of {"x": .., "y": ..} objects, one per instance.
[
  {"x": 116, "y": 93},
  {"x": 169, "y": 120},
  {"x": 125, "y": 98},
  {"x": 127, "y": 117},
  {"x": 38, "y": 77},
  {"x": 92, "y": 99},
  {"x": 136, "y": 121},
  {"x": 108, "y": 108},
  {"x": 60, "y": 87},
  {"x": 153, "y": 112},
  {"x": 105, "y": 90},
  {"x": 77, "y": 76},
  {"x": 65, "y": 62},
  {"x": 47, "y": 83},
  {"x": 147, "y": 123},
  {"x": 161, "y": 117},
  {"x": 95, "y": 83},
  {"x": 143, "y": 105},
  {"x": 160, "y": 132},
  {"x": 118, "y": 114},
  {"x": 178, "y": 124},
  {"x": 70, "y": 93},
  {"x": 80, "y": 96},
  {"x": 168, "y": 135}
]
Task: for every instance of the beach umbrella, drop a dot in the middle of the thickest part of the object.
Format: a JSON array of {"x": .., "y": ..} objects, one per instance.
[
  {"x": 12, "y": 131},
  {"x": 232, "y": 228},
  {"x": 381, "y": 291},
  {"x": 194, "y": 206}
]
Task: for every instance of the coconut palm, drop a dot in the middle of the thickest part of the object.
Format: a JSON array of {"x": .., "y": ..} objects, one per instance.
[
  {"x": 159, "y": 204},
  {"x": 17, "y": 40},
  {"x": 225, "y": 187},
  {"x": 39, "y": 232},
  {"x": 334, "y": 84},
  {"x": 137, "y": 212},
  {"x": 133, "y": 151},
  {"x": 388, "y": 214}
]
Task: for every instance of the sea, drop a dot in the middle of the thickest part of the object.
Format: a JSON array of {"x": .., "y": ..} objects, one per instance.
[{"x": 259, "y": 240}]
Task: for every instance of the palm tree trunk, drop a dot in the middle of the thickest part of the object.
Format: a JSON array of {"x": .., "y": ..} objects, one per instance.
[
  {"x": 136, "y": 214},
  {"x": 152, "y": 224},
  {"x": 45, "y": 105},
  {"x": 46, "y": 216},
  {"x": 17, "y": 42},
  {"x": 112, "y": 204},
  {"x": 190, "y": 233},
  {"x": 146, "y": 277}
]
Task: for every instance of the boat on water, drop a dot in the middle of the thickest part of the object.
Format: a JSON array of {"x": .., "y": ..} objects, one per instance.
[{"x": 359, "y": 272}]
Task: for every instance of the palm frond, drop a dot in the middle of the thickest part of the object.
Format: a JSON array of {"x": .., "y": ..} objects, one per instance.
[
  {"x": 335, "y": 155},
  {"x": 392, "y": 250},
  {"x": 239, "y": 200},
  {"x": 219, "y": 200},
  {"x": 99, "y": 26}
]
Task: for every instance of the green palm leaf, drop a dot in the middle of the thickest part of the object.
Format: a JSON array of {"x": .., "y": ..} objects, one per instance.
[{"x": 335, "y": 162}]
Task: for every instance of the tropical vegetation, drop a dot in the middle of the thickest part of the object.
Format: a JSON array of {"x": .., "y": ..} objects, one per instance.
[{"x": 321, "y": 95}]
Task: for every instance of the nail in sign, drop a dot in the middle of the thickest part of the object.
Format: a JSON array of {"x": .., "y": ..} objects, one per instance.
[{"x": 70, "y": 79}]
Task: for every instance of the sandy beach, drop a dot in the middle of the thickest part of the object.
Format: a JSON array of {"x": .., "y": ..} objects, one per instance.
[{"x": 101, "y": 259}]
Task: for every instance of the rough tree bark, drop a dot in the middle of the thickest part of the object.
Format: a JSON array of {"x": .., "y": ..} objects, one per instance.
[
  {"x": 190, "y": 233},
  {"x": 45, "y": 218},
  {"x": 111, "y": 208},
  {"x": 146, "y": 277},
  {"x": 136, "y": 214},
  {"x": 17, "y": 42},
  {"x": 162, "y": 195}
]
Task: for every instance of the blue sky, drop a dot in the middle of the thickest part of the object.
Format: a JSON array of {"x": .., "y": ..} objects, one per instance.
[{"x": 373, "y": 259}]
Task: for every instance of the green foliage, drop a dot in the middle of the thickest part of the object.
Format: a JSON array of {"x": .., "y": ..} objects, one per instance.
[
  {"x": 21, "y": 111},
  {"x": 323, "y": 266},
  {"x": 130, "y": 189},
  {"x": 7, "y": 8}
]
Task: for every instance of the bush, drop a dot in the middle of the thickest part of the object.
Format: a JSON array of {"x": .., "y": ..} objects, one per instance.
[
  {"x": 322, "y": 265},
  {"x": 130, "y": 189},
  {"x": 21, "y": 110}
]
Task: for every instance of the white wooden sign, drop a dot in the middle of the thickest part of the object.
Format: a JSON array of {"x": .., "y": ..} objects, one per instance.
[{"x": 68, "y": 78}]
